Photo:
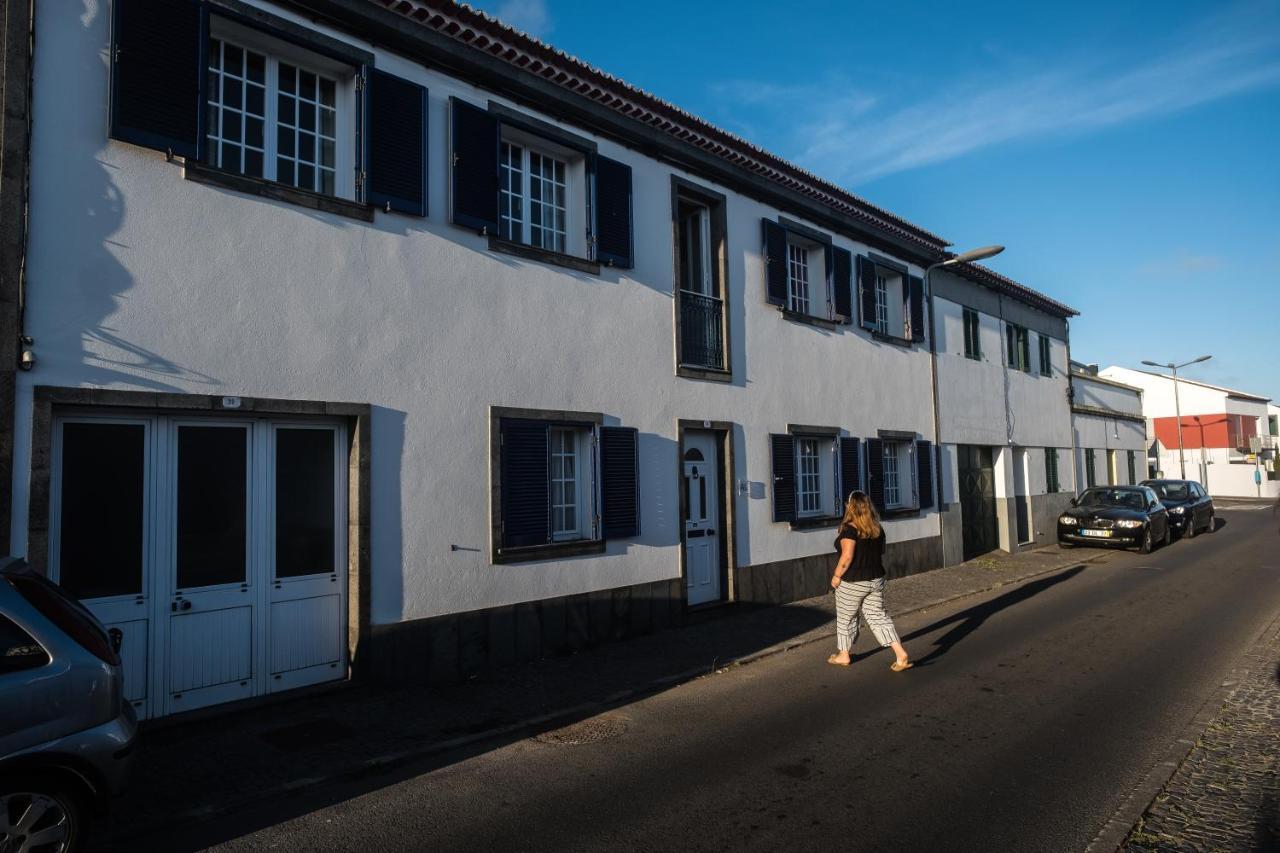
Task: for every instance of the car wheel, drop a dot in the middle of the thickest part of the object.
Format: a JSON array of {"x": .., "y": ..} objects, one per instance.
[
  {"x": 39, "y": 812},
  {"x": 1145, "y": 547},
  {"x": 1212, "y": 525},
  {"x": 1189, "y": 531},
  {"x": 1168, "y": 535}
]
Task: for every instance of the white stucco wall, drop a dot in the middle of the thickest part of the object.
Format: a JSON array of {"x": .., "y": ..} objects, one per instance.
[
  {"x": 972, "y": 392},
  {"x": 139, "y": 279},
  {"x": 1106, "y": 395}
]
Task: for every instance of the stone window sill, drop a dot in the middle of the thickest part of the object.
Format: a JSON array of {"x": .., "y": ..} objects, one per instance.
[
  {"x": 533, "y": 253},
  {"x": 710, "y": 374},
  {"x": 556, "y": 550},
  {"x": 200, "y": 173},
  {"x": 816, "y": 523},
  {"x": 808, "y": 319}
]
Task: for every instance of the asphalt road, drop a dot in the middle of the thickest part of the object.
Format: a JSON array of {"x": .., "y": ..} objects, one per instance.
[{"x": 1031, "y": 715}]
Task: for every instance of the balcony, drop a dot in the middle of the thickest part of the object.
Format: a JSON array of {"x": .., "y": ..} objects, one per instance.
[{"x": 701, "y": 331}]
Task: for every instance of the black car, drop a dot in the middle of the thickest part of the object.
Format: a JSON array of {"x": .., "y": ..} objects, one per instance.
[
  {"x": 1127, "y": 516},
  {"x": 1190, "y": 507}
]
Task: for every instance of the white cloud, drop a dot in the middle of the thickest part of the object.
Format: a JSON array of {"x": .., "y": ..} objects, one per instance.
[
  {"x": 531, "y": 16},
  {"x": 859, "y": 136}
]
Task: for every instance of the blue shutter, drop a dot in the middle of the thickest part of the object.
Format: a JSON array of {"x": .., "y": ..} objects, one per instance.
[
  {"x": 526, "y": 502},
  {"x": 867, "y": 292},
  {"x": 784, "y": 477},
  {"x": 158, "y": 74},
  {"x": 619, "y": 482},
  {"x": 473, "y": 158},
  {"x": 875, "y": 472},
  {"x": 842, "y": 282},
  {"x": 850, "y": 468},
  {"x": 396, "y": 118},
  {"x": 614, "y": 243},
  {"x": 924, "y": 473},
  {"x": 915, "y": 296},
  {"x": 775, "y": 262}
]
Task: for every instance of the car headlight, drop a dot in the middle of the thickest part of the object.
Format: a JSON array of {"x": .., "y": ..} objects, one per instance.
[
  {"x": 1067, "y": 519},
  {"x": 1177, "y": 510},
  {"x": 1129, "y": 522}
]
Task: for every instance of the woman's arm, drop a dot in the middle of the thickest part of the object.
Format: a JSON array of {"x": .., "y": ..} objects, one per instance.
[{"x": 842, "y": 566}]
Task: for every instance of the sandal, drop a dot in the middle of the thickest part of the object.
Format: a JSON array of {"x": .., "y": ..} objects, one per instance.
[
  {"x": 900, "y": 667},
  {"x": 831, "y": 659}
]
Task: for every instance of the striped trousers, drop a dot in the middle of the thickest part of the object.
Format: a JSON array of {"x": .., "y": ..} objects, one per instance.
[{"x": 867, "y": 596}]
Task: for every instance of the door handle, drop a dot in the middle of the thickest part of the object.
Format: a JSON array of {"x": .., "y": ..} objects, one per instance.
[{"x": 175, "y": 606}]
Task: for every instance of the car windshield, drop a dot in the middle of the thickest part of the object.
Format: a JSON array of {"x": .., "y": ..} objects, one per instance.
[
  {"x": 1124, "y": 498},
  {"x": 1172, "y": 491}
]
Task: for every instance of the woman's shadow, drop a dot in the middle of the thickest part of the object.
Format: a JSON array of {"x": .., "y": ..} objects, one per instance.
[{"x": 970, "y": 620}]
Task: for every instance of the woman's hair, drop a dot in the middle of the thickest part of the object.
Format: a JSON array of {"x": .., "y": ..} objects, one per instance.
[{"x": 860, "y": 515}]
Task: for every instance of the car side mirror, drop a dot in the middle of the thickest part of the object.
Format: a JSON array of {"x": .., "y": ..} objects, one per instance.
[{"x": 1075, "y": 502}]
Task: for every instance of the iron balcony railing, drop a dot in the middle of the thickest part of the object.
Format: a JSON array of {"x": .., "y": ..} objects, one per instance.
[{"x": 701, "y": 331}]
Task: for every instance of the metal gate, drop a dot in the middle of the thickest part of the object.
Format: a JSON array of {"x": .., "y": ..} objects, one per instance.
[{"x": 978, "y": 500}]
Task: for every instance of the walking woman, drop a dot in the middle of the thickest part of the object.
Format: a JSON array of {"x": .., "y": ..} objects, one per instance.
[{"x": 859, "y": 583}]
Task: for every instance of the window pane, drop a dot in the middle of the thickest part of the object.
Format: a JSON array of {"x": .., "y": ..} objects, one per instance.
[
  {"x": 211, "y": 505},
  {"x": 306, "y": 147},
  {"x": 231, "y": 126},
  {"x": 287, "y": 78},
  {"x": 230, "y": 157},
  {"x": 304, "y": 502},
  {"x": 100, "y": 534},
  {"x": 327, "y": 121},
  {"x": 326, "y": 182},
  {"x": 327, "y": 92},
  {"x": 257, "y": 68},
  {"x": 284, "y": 142},
  {"x": 253, "y": 132},
  {"x": 255, "y": 100},
  {"x": 307, "y": 85},
  {"x": 233, "y": 59},
  {"x": 231, "y": 89},
  {"x": 253, "y": 163},
  {"x": 326, "y": 153},
  {"x": 284, "y": 170},
  {"x": 306, "y": 117},
  {"x": 306, "y": 177},
  {"x": 285, "y": 110},
  {"x": 215, "y": 54}
]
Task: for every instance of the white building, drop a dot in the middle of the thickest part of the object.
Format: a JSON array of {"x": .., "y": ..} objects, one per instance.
[
  {"x": 380, "y": 337},
  {"x": 1004, "y": 420},
  {"x": 1223, "y": 433},
  {"x": 1108, "y": 430}
]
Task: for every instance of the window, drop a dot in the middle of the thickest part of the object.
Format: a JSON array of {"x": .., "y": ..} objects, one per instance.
[
  {"x": 892, "y": 486},
  {"x": 900, "y": 475},
  {"x": 1046, "y": 363},
  {"x": 1090, "y": 478},
  {"x": 1019, "y": 347},
  {"x": 18, "y": 650},
  {"x": 273, "y": 117},
  {"x": 809, "y": 485},
  {"x": 797, "y": 278},
  {"x": 1133, "y": 472},
  {"x": 972, "y": 343},
  {"x": 1051, "y": 470},
  {"x": 700, "y": 318},
  {"x": 532, "y": 204},
  {"x": 889, "y": 304},
  {"x": 562, "y": 483}
]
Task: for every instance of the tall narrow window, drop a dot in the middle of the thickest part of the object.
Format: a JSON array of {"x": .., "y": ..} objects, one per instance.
[
  {"x": 892, "y": 481},
  {"x": 564, "y": 484},
  {"x": 1090, "y": 478},
  {"x": 701, "y": 308},
  {"x": 972, "y": 345},
  {"x": 271, "y": 119},
  {"x": 1019, "y": 347},
  {"x": 1133, "y": 468},
  {"x": 809, "y": 485},
  {"x": 882, "y": 303},
  {"x": 1051, "y": 469},
  {"x": 798, "y": 278},
  {"x": 1046, "y": 363},
  {"x": 532, "y": 197}
]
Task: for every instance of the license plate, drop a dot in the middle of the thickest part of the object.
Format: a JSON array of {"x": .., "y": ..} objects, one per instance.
[{"x": 1103, "y": 534}]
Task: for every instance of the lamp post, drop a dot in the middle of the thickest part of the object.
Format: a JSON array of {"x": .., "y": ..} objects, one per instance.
[
  {"x": 963, "y": 257},
  {"x": 1177, "y": 405}
]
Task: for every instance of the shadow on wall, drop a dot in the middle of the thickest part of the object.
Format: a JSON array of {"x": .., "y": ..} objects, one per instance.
[
  {"x": 386, "y": 522},
  {"x": 659, "y": 491}
]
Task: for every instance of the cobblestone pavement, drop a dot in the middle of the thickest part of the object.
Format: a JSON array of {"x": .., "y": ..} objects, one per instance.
[
  {"x": 1226, "y": 793},
  {"x": 203, "y": 768}
]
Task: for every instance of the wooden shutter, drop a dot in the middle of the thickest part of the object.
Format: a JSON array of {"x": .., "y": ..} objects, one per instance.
[
  {"x": 875, "y": 472},
  {"x": 915, "y": 300},
  {"x": 396, "y": 142},
  {"x": 867, "y": 292},
  {"x": 850, "y": 468},
  {"x": 613, "y": 232},
  {"x": 842, "y": 282},
  {"x": 157, "y": 74},
  {"x": 473, "y": 158},
  {"x": 924, "y": 473},
  {"x": 784, "y": 477},
  {"x": 775, "y": 262},
  {"x": 526, "y": 500},
  {"x": 619, "y": 482}
]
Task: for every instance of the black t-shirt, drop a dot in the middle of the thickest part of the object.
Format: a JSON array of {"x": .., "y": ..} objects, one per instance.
[{"x": 868, "y": 555}]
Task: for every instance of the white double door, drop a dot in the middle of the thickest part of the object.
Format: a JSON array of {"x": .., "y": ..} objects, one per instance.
[
  {"x": 217, "y": 547},
  {"x": 702, "y": 531}
]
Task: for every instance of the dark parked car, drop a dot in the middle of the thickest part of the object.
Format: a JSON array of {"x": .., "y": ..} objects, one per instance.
[
  {"x": 1116, "y": 515},
  {"x": 1190, "y": 507},
  {"x": 66, "y": 731}
]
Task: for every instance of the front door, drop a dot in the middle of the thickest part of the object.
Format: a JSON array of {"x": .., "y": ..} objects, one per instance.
[
  {"x": 977, "y": 500},
  {"x": 702, "y": 531},
  {"x": 1021, "y": 498}
]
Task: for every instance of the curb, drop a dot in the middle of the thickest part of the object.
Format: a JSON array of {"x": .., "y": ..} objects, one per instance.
[
  {"x": 388, "y": 761},
  {"x": 1116, "y": 830}
]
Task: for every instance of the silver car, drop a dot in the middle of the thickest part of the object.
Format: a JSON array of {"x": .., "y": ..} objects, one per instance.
[{"x": 66, "y": 733}]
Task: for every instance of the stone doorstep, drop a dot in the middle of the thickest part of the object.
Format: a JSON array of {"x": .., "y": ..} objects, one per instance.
[{"x": 982, "y": 579}]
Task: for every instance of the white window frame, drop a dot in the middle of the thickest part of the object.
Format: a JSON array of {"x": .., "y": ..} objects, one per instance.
[
  {"x": 580, "y": 448},
  {"x": 276, "y": 51},
  {"x": 574, "y": 233},
  {"x": 798, "y": 282},
  {"x": 808, "y": 285},
  {"x": 890, "y": 292},
  {"x": 698, "y": 219},
  {"x": 808, "y": 477},
  {"x": 899, "y": 475}
]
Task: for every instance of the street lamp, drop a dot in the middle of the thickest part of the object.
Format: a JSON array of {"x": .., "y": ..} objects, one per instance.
[
  {"x": 1177, "y": 405},
  {"x": 962, "y": 258}
]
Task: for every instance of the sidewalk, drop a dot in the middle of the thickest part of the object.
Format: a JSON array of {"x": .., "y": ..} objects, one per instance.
[
  {"x": 200, "y": 769},
  {"x": 1225, "y": 795}
]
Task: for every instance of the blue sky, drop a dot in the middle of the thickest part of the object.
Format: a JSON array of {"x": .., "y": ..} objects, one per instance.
[{"x": 1126, "y": 153}]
